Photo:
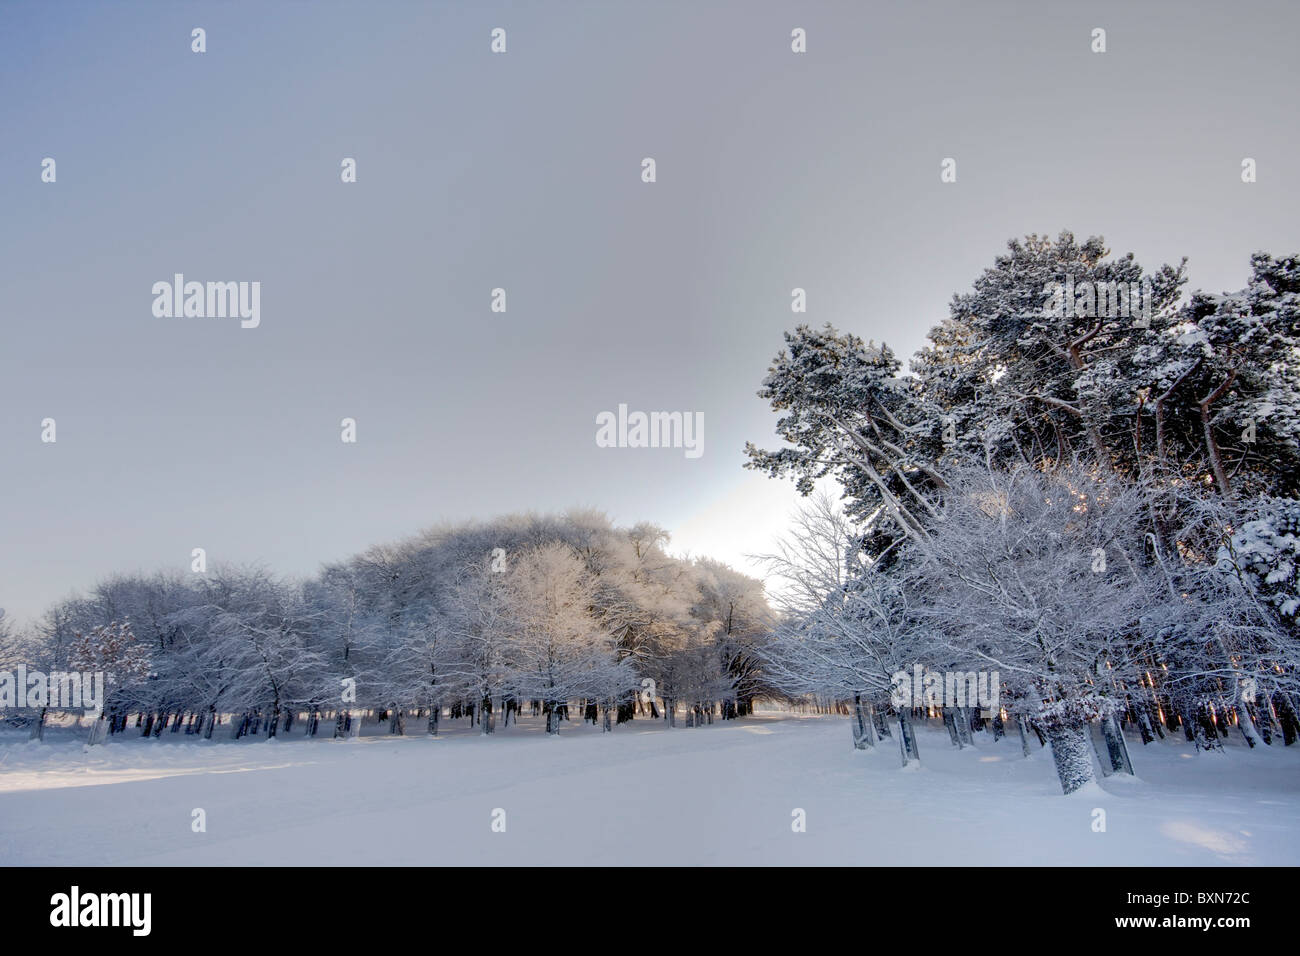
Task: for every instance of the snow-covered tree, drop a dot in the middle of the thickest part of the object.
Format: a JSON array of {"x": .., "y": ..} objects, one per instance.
[
  {"x": 1036, "y": 575},
  {"x": 110, "y": 649},
  {"x": 1036, "y": 372},
  {"x": 557, "y": 650}
]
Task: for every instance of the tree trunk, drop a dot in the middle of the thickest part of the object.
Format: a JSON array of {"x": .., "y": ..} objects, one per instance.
[
  {"x": 1144, "y": 725},
  {"x": 1206, "y": 734},
  {"x": 907, "y": 738},
  {"x": 1116, "y": 748},
  {"x": 1024, "y": 738},
  {"x": 962, "y": 718},
  {"x": 1286, "y": 718},
  {"x": 1247, "y": 724},
  {"x": 1153, "y": 716},
  {"x": 38, "y": 727},
  {"x": 1212, "y": 446},
  {"x": 864, "y": 735},
  {"x": 98, "y": 729},
  {"x": 1071, "y": 753},
  {"x": 1263, "y": 720},
  {"x": 950, "y": 724}
]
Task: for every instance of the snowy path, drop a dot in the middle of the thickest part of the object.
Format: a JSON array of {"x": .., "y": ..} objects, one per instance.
[{"x": 721, "y": 794}]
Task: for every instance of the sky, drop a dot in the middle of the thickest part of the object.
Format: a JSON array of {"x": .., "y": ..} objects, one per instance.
[{"x": 523, "y": 171}]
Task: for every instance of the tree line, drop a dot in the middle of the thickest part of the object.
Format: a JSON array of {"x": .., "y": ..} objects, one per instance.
[
  {"x": 477, "y": 621},
  {"x": 1096, "y": 505}
]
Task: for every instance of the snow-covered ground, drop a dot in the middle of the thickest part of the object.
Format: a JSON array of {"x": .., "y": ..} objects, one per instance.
[{"x": 720, "y": 794}]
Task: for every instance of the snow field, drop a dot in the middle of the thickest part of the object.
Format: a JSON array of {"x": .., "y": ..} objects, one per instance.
[{"x": 720, "y": 794}]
